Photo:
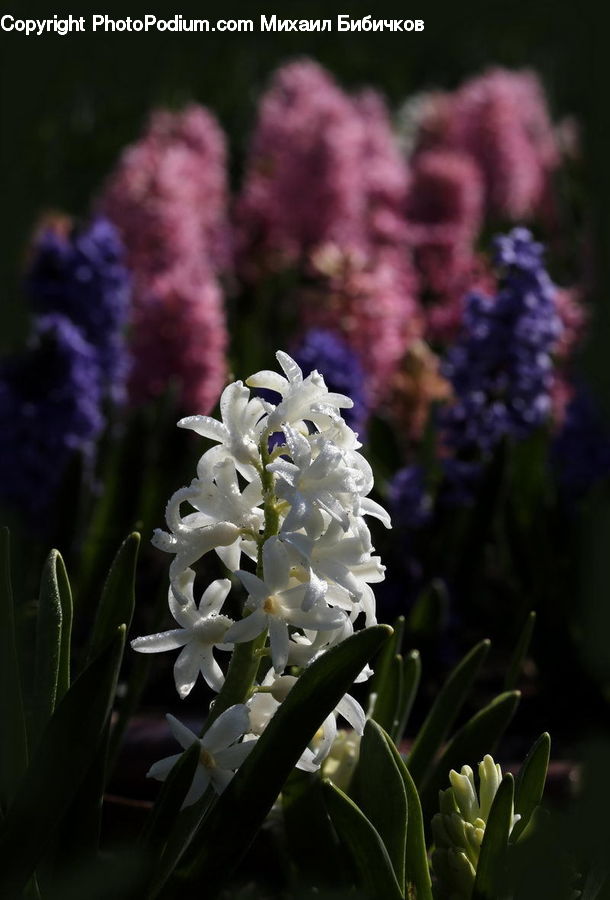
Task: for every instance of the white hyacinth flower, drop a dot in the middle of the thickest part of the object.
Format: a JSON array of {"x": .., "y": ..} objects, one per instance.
[
  {"x": 297, "y": 512},
  {"x": 239, "y": 432},
  {"x": 303, "y": 399},
  {"x": 201, "y": 629},
  {"x": 220, "y": 754}
]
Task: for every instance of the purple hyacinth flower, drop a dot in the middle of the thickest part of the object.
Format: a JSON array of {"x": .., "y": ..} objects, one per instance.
[
  {"x": 50, "y": 407},
  {"x": 81, "y": 274}
]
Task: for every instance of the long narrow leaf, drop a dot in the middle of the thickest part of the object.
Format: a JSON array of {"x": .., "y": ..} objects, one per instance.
[
  {"x": 411, "y": 675},
  {"x": 65, "y": 599},
  {"x": 242, "y": 808},
  {"x": 365, "y": 845},
  {"x": 169, "y": 801},
  {"x": 48, "y": 648},
  {"x": 379, "y": 792},
  {"x": 61, "y": 761},
  {"x": 469, "y": 745},
  {"x": 417, "y": 870},
  {"x": 118, "y": 595},
  {"x": 444, "y": 712},
  {"x": 522, "y": 646},
  {"x": 530, "y": 782},
  {"x": 387, "y": 705},
  {"x": 492, "y": 858},
  {"x": 13, "y": 744}
]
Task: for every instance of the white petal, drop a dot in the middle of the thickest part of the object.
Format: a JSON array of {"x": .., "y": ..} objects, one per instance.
[
  {"x": 329, "y": 727},
  {"x": 158, "y": 643},
  {"x": 253, "y": 584},
  {"x": 292, "y": 370},
  {"x": 273, "y": 381},
  {"x": 280, "y": 643},
  {"x": 247, "y": 628},
  {"x": 186, "y": 670},
  {"x": 368, "y": 507},
  {"x": 199, "y": 786},
  {"x": 206, "y": 426},
  {"x": 228, "y": 727},
  {"x": 220, "y": 779},
  {"x": 214, "y": 596},
  {"x": 161, "y": 769},
  {"x": 233, "y": 757},
  {"x": 211, "y": 671},
  {"x": 183, "y": 735},
  {"x": 351, "y": 710}
]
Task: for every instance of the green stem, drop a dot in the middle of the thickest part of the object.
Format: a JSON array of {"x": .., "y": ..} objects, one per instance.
[{"x": 246, "y": 658}]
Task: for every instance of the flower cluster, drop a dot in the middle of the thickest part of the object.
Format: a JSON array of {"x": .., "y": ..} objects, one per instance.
[
  {"x": 168, "y": 197},
  {"x": 501, "y": 368},
  {"x": 297, "y": 509},
  {"x": 81, "y": 274},
  {"x": 327, "y": 352},
  {"x": 50, "y": 402},
  {"x": 458, "y": 829}
]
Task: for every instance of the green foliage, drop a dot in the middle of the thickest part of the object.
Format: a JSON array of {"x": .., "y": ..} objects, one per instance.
[
  {"x": 530, "y": 782},
  {"x": 58, "y": 766},
  {"x": 378, "y": 789},
  {"x": 443, "y": 712},
  {"x": 13, "y": 746}
]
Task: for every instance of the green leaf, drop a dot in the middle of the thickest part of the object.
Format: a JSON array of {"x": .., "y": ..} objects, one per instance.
[
  {"x": 444, "y": 712},
  {"x": 383, "y": 663},
  {"x": 242, "y": 808},
  {"x": 469, "y": 745},
  {"x": 411, "y": 674},
  {"x": 169, "y": 801},
  {"x": 387, "y": 705},
  {"x": 417, "y": 869},
  {"x": 311, "y": 840},
  {"x": 365, "y": 845},
  {"x": 429, "y": 612},
  {"x": 519, "y": 653},
  {"x": 118, "y": 595},
  {"x": 492, "y": 858},
  {"x": 60, "y": 763},
  {"x": 378, "y": 790},
  {"x": 13, "y": 743},
  {"x": 65, "y": 599},
  {"x": 48, "y": 647},
  {"x": 530, "y": 782}
]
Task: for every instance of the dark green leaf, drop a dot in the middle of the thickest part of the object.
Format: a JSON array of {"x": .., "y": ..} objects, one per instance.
[
  {"x": 65, "y": 599},
  {"x": 169, "y": 801},
  {"x": 492, "y": 859},
  {"x": 388, "y": 701},
  {"x": 469, "y": 745},
  {"x": 389, "y": 651},
  {"x": 444, "y": 712},
  {"x": 118, "y": 595},
  {"x": 429, "y": 613},
  {"x": 516, "y": 663},
  {"x": 13, "y": 744},
  {"x": 411, "y": 674},
  {"x": 61, "y": 761},
  {"x": 417, "y": 870},
  {"x": 48, "y": 648},
  {"x": 311, "y": 840},
  {"x": 530, "y": 782},
  {"x": 379, "y": 792},
  {"x": 242, "y": 808},
  {"x": 365, "y": 845}
]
